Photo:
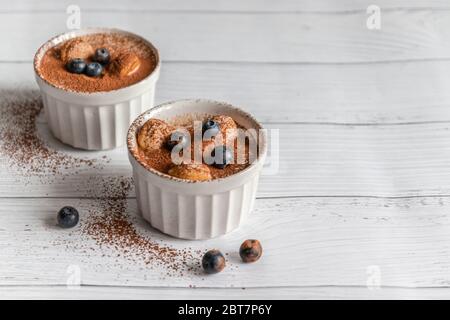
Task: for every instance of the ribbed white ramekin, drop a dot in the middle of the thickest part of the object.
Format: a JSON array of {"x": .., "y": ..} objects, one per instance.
[
  {"x": 98, "y": 120},
  {"x": 195, "y": 209}
]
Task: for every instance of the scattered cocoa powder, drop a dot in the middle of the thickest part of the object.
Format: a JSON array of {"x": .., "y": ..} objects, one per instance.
[
  {"x": 51, "y": 67},
  {"x": 20, "y": 143},
  {"x": 109, "y": 224},
  {"x": 107, "y": 220},
  {"x": 152, "y": 152}
]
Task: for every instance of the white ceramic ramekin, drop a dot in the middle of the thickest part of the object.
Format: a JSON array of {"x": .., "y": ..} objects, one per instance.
[
  {"x": 195, "y": 209},
  {"x": 99, "y": 120}
]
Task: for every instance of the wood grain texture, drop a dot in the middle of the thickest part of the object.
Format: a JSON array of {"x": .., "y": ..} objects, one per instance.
[
  {"x": 313, "y": 160},
  {"x": 307, "y": 242},
  {"x": 285, "y": 37},
  {"x": 392, "y": 93},
  {"x": 363, "y": 178},
  {"x": 152, "y": 293},
  {"x": 254, "y": 6}
]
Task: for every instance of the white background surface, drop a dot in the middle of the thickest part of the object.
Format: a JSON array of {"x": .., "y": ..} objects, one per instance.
[{"x": 364, "y": 119}]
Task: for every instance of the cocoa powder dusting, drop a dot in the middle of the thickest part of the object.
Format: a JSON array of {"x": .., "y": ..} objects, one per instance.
[
  {"x": 152, "y": 152},
  {"x": 107, "y": 220},
  {"x": 109, "y": 225},
  {"x": 52, "y": 67},
  {"x": 20, "y": 143}
]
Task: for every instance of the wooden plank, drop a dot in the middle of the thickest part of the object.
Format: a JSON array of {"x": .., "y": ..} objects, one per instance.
[
  {"x": 284, "y": 37},
  {"x": 314, "y": 160},
  {"x": 224, "y": 5},
  {"x": 308, "y": 62},
  {"x": 307, "y": 242},
  {"x": 150, "y": 293},
  {"x": 356, "y": 94}
]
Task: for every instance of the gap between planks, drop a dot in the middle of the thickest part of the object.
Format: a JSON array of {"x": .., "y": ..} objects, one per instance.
[
  {"x": 281, "y": 63},
  {"x": 375, "y": 95},
  {"x": 425, "y": 196},
  {"x": 230, "y": 7},
  {"x": 325, "y": 38},
  {"x": 48, "y": 292}
]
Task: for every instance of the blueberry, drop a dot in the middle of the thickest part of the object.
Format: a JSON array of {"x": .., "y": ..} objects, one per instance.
[
  {"x": 102, "y": 56},
  {"x": 94, "y": 69},
  {"x": 213, "y": 261},
  {"x": 68, "y": 217},
  {"x": 250, "y": 250},
  {"x": 211, "y": 128},
  {"x": 175, "y": 139},
  {"x": 76, "y": 65},
  {"x": 221, "y": 157}
]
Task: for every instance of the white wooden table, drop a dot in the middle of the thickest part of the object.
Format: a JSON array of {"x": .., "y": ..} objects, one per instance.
[{"x": 360, "y": 207}]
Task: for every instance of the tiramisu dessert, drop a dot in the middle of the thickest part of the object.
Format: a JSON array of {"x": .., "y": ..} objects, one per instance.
[
  {"x": 97, "y": 62},
  {"x": 197, "y": 147}
]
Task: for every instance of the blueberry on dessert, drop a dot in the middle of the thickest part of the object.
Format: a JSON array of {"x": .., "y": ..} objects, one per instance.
[
  {"x": 176, "y": 147},
  {"x": 68, "y": 217},
  {"x": 213, "y": 261},
  {"x": 94, "y": 69},
  {"x": 221, "y": 156},
  {"x": 76, "y": 65},
  {"x": 121, "y": 60},
  {"x": 102, "y": 56},
  {"x": 210, "y": 128},
  {"x": 250, "y": 250}
]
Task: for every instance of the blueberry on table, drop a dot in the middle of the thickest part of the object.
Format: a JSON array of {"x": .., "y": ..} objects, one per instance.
[
  {"x": 102, "y": 56},
  {"x": 250, "y": 250},
  {"x": 94, "y": 69},
  {"x": 76, "y": 65},
  {"x": 213, "y": 261},
  {"x": 68, "y": 217},
  {"x": 176, "y": 138},
  {"x": 222, "y": 156},
  {"x": 210, "y": 128}
]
